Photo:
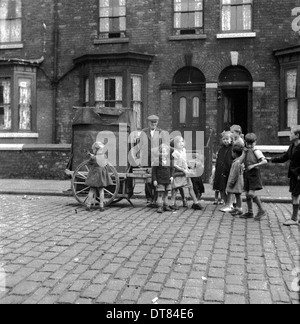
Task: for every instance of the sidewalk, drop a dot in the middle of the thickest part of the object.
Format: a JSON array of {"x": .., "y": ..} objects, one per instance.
[{"x": 60, "y": 188}]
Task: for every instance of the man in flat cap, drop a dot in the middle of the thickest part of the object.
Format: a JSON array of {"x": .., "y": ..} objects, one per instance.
[{"x": 150, "y": 140}]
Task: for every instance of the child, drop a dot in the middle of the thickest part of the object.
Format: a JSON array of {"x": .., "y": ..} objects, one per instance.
[
  {"x": 253, "y": 159},
  {"x": 223, "y": 166},
  {"x": 98, "y": 176},
  {"x": 162, "y": 176},
  {"x": 235, "y": 183},
  {"x": 237, "y": 133},
  {"x": 197, "y": 181},
  {"x": 181, "y": 167},
  {"x": 293, "y": 155},
  {"x": 181, "y": 190}
]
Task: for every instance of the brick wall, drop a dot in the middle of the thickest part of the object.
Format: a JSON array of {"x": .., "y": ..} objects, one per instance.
[{"x": 34, "y": 162}]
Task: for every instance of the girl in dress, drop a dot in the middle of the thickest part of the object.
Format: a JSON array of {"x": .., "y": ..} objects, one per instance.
[
  {"x": 98, "y": 177},
  {"x": 181, "y": 171}
]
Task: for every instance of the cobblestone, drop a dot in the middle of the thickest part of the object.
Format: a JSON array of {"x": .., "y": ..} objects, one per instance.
[{"x": 52, "y": 254}]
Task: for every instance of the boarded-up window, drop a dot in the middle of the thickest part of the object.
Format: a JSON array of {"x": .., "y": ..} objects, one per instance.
[
  {"x": 109, "y": 91},
  {"x": 291, "y": 98},
  {"x": 10, "y": 21},
  {"x": 112, "y": 18},
  {"x": 25, "y": 108},
  {"x": 5, "y": 104},
  {"x": 136, "y": 98},
  {"x": 188, "y": 16},
  {"x": 236, "y": 15}
]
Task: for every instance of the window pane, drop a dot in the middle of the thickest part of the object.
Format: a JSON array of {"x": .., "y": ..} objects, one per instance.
[
  {"x": 10, "y": 21},
  {"x": 182, "y": 111},
  {"x": 236, "y": 15},
  {"x": 136, "y": 85},
  {"x": 25, "y": 104},
  {"x": 291, "y": 83},
  {"x": 196, "y": 107},
  {"x": 112, "y": 16},
  {"x": 292, "y": 112},
  {"x": 5, "y": 109},
  {"x": 109, "y": 91}
]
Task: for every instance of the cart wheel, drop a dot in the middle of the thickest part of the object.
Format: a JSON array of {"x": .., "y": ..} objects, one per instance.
[{"x": 81, "y": 190}]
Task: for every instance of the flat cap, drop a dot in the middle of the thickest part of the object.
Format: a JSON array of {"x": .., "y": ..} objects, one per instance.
[{"x": 153, "y": 118}]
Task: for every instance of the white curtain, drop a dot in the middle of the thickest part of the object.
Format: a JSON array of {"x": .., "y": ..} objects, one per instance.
[
  {"x": 137, "y": 98},
  {"x": 292, "y": 102},
  {"x": 25, "y": 105},
  {"x": 6, "y": 102}
]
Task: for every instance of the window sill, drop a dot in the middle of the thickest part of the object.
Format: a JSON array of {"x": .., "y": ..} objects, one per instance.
[
  {"x": 284, "y": 133},
  {"x": 11, "y": 46},
  {"x": 19, "y": 135},
  {"x": 111, "y": 41},
  {"x": 236, "y": 35},
  {"x": 187, "y": 37}
]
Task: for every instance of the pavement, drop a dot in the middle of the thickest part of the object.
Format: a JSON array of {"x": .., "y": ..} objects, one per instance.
[
  {"x": 53, "y": 251},
  {"x": 60, "y": 188}
]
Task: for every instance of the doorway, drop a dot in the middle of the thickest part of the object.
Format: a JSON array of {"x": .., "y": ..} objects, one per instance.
[{"x": 235, "y": 107}]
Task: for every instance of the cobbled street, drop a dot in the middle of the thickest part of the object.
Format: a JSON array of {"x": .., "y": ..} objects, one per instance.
[{"x": 53, "y": 251}]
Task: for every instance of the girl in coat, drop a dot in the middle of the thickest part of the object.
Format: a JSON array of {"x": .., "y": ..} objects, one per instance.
[{"x": 98, "y": 176}]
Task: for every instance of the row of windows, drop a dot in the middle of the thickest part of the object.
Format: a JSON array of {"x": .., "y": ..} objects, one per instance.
[{"x": 236, "y": 16}]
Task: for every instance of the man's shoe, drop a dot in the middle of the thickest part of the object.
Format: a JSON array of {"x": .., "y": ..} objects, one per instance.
[
  {"x": 197, "y": 207},
  {"x": 291, "y": 223},
  {"x": 260, "y": 215},
  {"x": 247, "y": 216},
  {"x": 160, "y": 210}
]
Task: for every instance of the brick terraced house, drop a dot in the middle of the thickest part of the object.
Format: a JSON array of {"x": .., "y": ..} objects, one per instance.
[{"x": 198, "y": 64}]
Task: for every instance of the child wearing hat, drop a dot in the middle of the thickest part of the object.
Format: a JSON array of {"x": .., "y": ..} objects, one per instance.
[
  {"x": 253, "y": 159},
  {"x": 98, "y": 176}
]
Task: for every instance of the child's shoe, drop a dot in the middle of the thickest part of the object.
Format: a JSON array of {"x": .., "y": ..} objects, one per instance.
[
  {"x": 88, "y": 207},
  {"x": 247, "y": 216},
  {"x": 216, "y": 202},
  {"x": 260, "y": 215},
  {"x": 167, "y": 209},
  {"x": 221, "y": 202},
  {"x": 227, "y": 209},
  {"x": 174, "y": 207},
  {"x": 197, "y": 206},
  {"x": 160, "y": 210},
  {"x": 237, "y": 212},
  {"x": 291, "y": 223},
  {"x": 185, "y": 204},
  {"x": 102, "y": 209}
]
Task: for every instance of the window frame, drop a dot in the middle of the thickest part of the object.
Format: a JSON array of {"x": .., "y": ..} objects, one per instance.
[
  {"x": 111, "y": 34},
  {"x": 13, "y": 43},
  {"x": 182, "y": 31},
  {"x": 236, "y": 31},
  {"x": 16, "y": 73},
  {"x": 284, "y": 99}
]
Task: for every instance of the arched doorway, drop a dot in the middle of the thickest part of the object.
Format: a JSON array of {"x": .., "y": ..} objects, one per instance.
[
  {"x": 189, "y": 100},
  {"x": 235, "y": 99}
]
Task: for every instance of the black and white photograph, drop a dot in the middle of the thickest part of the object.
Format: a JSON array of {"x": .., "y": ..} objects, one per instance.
[{"x": 150, "y": 155}]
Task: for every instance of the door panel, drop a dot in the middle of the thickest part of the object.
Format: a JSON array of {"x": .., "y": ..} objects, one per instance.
[{"x": 189, "y": 112}]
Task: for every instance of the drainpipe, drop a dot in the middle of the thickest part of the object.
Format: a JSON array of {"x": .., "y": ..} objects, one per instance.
[{"x": 55, "y": 70}]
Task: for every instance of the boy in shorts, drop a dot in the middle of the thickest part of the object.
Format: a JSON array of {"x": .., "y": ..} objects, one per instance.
[
  {"x": 253, "y": 159},
  {"x": 162, "y": 176}
]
